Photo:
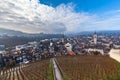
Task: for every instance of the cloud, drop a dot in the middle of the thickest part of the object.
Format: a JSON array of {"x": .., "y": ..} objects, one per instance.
[
  {"x": 33, "y": 17},
  {"x": 104, "y": 21},
  {"x": 108, "y": 21}
]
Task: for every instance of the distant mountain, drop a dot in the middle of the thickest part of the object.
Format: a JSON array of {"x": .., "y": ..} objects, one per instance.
[
  {"x": 7, "y": 32},
  {"x": 4, "y": 32},
  {"x": 110, "y": 32},
  {"x": 11, "y": 32},
  {"x": 11, "y": 38}
]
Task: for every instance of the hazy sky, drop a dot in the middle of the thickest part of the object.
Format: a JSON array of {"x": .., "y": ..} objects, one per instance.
[{"x": 35, "y": 16}]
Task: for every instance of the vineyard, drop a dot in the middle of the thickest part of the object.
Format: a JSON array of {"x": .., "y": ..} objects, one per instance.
[
  {"x": 71, "y": 67},
  {"x": 33, "y": 71},
  {"x": 89, "y": 68}
]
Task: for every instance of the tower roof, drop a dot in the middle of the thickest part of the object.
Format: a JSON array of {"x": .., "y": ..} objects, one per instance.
[{"x": 95, "y": 32}]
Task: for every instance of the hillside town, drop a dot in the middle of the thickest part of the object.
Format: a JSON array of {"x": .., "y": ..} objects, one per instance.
[{"x": 95, "y": 44}]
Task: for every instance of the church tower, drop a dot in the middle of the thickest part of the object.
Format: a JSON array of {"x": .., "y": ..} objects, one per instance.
[{"x": 95, "y": 38}]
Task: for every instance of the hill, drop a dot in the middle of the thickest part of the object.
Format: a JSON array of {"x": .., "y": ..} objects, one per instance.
[
  {"x": 89, "y": 68},
  {"x": 9, "y": 32}
]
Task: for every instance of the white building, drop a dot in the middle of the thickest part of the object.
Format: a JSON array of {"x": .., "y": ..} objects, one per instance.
[
  {"x": 19, "y": 47},
  {"x": 116, "y": 46},
  {"x": 98, "y": 50},
  {"x": 2, "y": 53},
  {"x": 33, "y": 44}
]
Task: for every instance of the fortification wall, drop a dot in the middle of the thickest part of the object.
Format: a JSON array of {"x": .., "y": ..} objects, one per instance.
[{"x": 115, "y": 54}]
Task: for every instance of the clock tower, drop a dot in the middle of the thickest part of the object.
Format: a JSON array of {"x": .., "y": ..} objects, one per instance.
[{"x": 95, "y": 38}]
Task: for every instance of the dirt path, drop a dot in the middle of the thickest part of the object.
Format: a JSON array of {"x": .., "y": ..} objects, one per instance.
[{"x": 57, "y": 74}]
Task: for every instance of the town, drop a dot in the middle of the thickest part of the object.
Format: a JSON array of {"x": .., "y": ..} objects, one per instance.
[
  {"x": 107, "y": 44},
  {"x": 59, "y": 40},
  {"x": 50, "y": 57}
]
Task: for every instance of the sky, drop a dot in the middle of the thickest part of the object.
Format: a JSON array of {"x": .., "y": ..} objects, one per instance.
[{"x": 59, "y": 16}]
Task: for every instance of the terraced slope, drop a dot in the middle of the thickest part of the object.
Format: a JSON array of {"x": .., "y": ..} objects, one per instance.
[{"x": 33, "y": 71}]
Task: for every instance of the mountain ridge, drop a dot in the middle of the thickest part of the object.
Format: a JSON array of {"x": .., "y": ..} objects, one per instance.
[{"x": 10, "y": 32}]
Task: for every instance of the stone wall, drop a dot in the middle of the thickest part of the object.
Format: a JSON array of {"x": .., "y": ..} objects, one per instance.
[{"x": 115, "y": 54}]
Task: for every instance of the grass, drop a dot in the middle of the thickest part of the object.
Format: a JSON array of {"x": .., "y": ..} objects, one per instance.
[
  {"x": 65, "y": 77},
  {"x": 50, "y": 71}
]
